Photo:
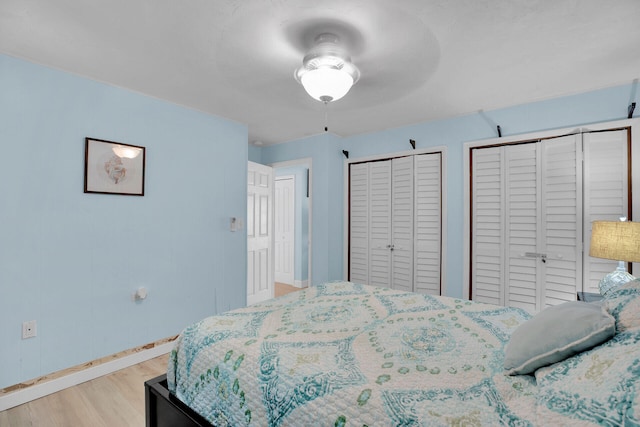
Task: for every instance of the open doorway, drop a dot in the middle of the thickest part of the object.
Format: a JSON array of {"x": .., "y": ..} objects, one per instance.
[{"x": 297, "y": 175}]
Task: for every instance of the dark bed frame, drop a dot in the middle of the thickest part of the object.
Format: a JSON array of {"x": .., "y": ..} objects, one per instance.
[{"x": 162, "y": 409}]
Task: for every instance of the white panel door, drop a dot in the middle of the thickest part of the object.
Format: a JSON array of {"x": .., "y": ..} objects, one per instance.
[
  {"x": 359, "y": 223},
  {"x": 380, "y": 223},
  {"x": 284, "y": 230},
  {"x": 401, "y": 250},
  {"x": 606, "y": 193},
  {"x": 259, "y": 233},
  {"x": 428, "y": 224}
]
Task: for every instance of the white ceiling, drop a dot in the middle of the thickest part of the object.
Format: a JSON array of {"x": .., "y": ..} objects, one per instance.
[{"x": 420, "y": 60}]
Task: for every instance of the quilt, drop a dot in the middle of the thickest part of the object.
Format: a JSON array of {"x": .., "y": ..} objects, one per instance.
[{"x": 344, "y": 354}]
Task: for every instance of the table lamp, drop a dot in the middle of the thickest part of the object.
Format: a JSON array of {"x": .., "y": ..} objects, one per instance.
[{"x": 619, "y": 241}]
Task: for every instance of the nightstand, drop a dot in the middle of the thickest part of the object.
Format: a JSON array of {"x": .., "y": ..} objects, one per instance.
[{"x": 589, "y": 296}]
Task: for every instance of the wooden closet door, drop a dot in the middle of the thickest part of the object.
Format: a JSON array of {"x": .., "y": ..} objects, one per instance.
[
  {"x": 527, "y": 211},
  {"x": 402, "y": 214},
  {"x": 561, "y": 215},
  {"x": 522, "y": 233},
  {"x": 395, "y": 223},
  {"x": 370, "y": 223},
  {"x": 359, "y": 223},
  {"x": 488, "y": 225},
  {"x": 606, "y": 193},
  {"x": 532, "y": 208},
  {"x": 428, "y": 224},
  {"x": 380, "y": 223},
  {"x": 543, "y": 208}
]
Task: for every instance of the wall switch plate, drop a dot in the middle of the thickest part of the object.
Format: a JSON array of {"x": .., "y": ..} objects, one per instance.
[
  {"x": 29, "y": 329},
  {"x": 235, "y": 224}
]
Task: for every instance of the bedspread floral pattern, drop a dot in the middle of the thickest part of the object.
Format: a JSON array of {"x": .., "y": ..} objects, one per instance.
[
  {"x": 352, "y": 355},
  {"x": 599, "y": 386}
]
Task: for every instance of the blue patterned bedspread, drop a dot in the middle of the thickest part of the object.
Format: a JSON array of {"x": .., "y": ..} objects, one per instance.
[{"x": 343, "y": 354}]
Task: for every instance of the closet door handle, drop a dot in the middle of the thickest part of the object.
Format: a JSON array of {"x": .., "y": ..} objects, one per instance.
[{"x": 543, "y": 257}]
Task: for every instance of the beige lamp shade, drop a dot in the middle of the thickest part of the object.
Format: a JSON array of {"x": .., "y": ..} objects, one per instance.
[{"x": 616, "y": 240}]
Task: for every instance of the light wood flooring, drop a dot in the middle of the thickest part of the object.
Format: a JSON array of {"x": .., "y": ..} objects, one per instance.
[
  {"x": 116, "y": 399},
  {"x": 283, "y": 289}
]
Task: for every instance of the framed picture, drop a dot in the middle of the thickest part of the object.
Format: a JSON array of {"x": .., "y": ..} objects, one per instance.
[{"x": 113, "y": 168}]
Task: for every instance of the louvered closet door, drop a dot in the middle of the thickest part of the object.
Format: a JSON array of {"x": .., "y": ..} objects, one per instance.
[
  {"x": 428, "y": 224},
  {"x": 561, "y": 220},
  {"x": 606, "y": 193},
  {"x": 401, "y": 251},
  {"x": 543, "y": 223},
  {"x": 380, "y": 223},
  {"x": 522, "y": 233},
  {"x": 526, "y": 221},
  {"x": 487, "y": 253},
  {"x": 395, "y": 221},
  {"x": 359, "y": 223}
]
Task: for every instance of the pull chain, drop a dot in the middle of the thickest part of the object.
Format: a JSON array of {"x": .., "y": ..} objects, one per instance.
[{"x": 326, "y": 116}]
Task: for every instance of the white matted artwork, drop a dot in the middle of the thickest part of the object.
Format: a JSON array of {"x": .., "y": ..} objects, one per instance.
[{"x": 113, "y": 168}]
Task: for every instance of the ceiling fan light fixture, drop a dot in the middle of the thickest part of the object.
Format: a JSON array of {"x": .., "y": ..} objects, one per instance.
[
  {"x": 326, "y": 84},
  {"x": 327, "y": 73}
]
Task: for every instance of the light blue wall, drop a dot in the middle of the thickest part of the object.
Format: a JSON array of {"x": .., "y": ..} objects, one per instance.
[
  {"x": 301, "y": 226},
  {"x": 326, "y": 263},
  {"x": 328, "y": 162},
  {"x": 255, "y": 154},
  {"x": 71, "y": 261}
]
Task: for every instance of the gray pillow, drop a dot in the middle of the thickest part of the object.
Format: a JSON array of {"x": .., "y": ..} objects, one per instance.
[{"x": 556, "y": 333}]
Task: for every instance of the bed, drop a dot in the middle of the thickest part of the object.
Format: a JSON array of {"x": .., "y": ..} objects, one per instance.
[{"x": 344, "y": 354}]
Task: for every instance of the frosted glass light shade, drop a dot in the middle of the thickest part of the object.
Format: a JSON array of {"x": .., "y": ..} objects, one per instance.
[
  {"x": 326, "y": 84},
  {"x": 327, "y": 73}
]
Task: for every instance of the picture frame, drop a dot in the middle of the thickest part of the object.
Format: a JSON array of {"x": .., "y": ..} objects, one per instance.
[{"x": 113, "y": 168}]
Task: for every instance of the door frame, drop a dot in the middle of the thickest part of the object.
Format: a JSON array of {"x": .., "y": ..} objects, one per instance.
[
  {"x": 634, "y": 124},
  {"x": 308, "y": 162}
]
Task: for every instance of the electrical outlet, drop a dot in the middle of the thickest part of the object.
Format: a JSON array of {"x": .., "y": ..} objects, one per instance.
[{"x": 29, "y": 329}]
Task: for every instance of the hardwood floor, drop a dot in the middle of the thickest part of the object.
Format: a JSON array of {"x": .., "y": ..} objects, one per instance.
[
  {"x": 116, "y": 399},
  {"x": 283, "y": 289}
]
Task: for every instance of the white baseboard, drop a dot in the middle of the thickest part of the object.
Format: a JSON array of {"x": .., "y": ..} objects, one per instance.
[
  {"x": 37, "y": 391},
  {"x": 301, "y": 283}
]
